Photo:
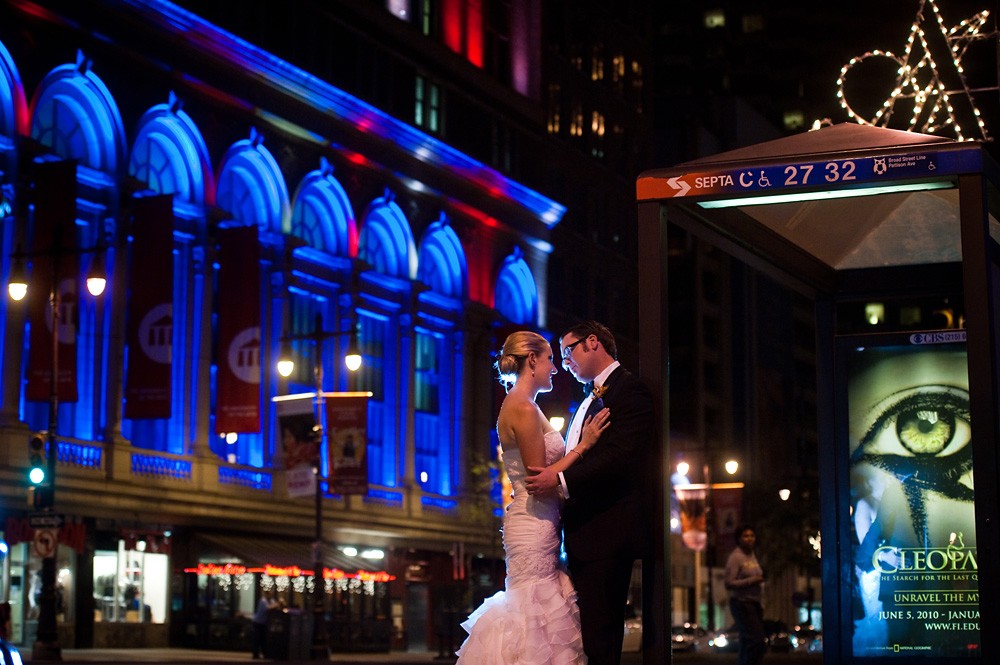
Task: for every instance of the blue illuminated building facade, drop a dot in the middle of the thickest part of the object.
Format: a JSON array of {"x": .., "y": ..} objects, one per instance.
[{"x": 365, "y": 222}]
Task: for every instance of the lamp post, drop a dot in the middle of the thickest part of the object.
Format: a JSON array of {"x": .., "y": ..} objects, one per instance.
[
  {"x": 731, "y": 466},
  {"x": 352, "y": 359},
  {"x": 46, "y": 647}
]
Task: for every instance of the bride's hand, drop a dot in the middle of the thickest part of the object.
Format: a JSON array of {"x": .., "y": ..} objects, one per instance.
[{"x": 593, "y": 428}]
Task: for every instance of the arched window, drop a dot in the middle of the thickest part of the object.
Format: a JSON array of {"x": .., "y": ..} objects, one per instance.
[
  {"x": 170, "y": 156},
  {"x": 516, "y": 293},
  {"x": 386, "y": 242},
  {"x": 251, "y": 186},
  {"x": 322, "y": 214},
  {"x": 441, "y": 261},
  {"x": 74, "y": 114},
  {"x": 13, "y": 104}
]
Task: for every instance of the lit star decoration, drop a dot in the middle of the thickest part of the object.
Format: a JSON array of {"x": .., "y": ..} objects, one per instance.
[{"x": 919, "y": 78}]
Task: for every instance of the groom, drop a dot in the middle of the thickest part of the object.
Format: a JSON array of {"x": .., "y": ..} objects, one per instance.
[{"x": 607, "y": 519}]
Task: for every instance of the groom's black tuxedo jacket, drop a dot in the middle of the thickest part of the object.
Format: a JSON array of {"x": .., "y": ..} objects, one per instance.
[{"x": 609, "y": 510}]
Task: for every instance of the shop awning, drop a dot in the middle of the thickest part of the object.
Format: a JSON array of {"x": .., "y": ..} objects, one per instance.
[{"x": 290, "y": 552}]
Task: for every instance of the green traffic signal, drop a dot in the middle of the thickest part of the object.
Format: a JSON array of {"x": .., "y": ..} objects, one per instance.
[{"x": 36, "y": 457}]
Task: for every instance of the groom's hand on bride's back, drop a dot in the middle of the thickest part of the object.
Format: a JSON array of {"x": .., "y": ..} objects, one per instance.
[{"x": 544, "y": 480}]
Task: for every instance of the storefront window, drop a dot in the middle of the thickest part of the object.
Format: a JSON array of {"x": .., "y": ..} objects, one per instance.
[
  {"x": 22, "y": 570},
  {"x": 130, "y": 585}
]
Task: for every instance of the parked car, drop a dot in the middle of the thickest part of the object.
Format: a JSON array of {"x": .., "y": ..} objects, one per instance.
[
  {"x": 687, "y": 638},
  {"x": 776, "y": 636}
]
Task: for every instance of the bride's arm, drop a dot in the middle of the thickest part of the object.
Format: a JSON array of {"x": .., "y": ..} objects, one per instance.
[{"x": 592, "y": 430}]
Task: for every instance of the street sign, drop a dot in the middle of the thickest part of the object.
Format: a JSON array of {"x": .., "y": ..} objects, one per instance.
[
  {"x": 45, "y": 542},
  {"x": 45, "y": 520}
]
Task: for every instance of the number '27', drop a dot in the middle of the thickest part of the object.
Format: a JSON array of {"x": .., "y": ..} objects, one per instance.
[{"x": 835, "y": 172}]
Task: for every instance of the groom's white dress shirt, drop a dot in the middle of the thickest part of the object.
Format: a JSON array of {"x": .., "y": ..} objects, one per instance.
[{"x": 576, "y": 425}]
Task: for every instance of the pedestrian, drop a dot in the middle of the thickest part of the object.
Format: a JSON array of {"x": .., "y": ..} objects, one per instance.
[
  {"x": 259, "y": 624},
  {"x": 745, "y": 581}
]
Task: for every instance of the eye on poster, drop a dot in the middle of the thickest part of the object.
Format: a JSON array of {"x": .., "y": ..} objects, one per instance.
[{"x": 915, "y": 582}]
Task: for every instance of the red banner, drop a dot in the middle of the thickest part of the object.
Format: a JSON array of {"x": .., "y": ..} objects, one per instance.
[
  {"x": 151, "y": 314},
  {"x": 54, "y": 235},
  {"x": 237, "y": 407},
  {"x": 347, "y": 442}
]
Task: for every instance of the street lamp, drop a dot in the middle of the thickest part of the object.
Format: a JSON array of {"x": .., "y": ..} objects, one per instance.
[
  {"x": 46, "y": 647},
  {"x": 286, "y": 366}
]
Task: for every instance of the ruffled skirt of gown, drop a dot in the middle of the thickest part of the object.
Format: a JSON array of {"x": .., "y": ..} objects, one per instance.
[{"x": 535, "y": 620}]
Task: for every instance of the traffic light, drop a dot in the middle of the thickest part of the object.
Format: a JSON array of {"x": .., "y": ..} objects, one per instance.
[{"x": 37, "y": 468}]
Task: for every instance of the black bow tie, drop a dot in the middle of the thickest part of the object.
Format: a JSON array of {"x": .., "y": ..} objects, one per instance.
[{"x": 588, "y": 388}]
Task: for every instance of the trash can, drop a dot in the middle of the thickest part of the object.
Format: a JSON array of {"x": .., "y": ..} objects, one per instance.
[
  {"x": 300, "y": 634},
  {"x": 289, "y": 634},
  {"x": 276, "y": 647}
]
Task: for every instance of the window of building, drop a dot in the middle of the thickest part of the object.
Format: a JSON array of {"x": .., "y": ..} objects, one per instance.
[
  {"x": 637, "y": 85},
  {"x": 554, "y": 108},
  {"x": 427, "y": 105},
  {"x": 597, "y": 64},
  {"x": 130, "y": 585},
  {"x": 428, "y": 18},
  {"x": 516, "y": 294},
  {"x": 715, "y": 18},
  {"x": 576, "y": 119},
  {"x": 373, "y": 336},
  {"x": 433, "y": 438},
  {"x": 498, "y": 37}
]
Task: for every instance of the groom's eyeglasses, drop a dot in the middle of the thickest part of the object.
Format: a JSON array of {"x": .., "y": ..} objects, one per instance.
[{"x": 568, "y": 349}]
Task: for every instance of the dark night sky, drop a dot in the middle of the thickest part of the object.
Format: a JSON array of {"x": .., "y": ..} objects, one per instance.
[{"x": 886, "y": 25}]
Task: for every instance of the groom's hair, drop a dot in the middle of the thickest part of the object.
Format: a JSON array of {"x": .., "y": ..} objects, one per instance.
[{"x": 599, "y": 330}]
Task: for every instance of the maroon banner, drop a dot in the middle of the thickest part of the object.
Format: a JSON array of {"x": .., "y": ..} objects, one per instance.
[
  {"x": 237, "y": 407},
  {"x": 347, "y": 441},
  {"x": 53, "y": 249},
  {"x": 151, "y": 309}
]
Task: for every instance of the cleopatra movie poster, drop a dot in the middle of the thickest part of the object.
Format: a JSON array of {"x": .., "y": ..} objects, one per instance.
[{"x": 915, "y": 582}]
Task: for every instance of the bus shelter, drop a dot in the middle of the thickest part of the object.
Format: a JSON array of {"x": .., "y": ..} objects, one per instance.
[{"x": 907, "y": 402}]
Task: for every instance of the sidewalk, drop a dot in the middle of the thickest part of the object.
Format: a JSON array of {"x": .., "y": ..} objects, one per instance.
[{"x": 200, "y": 656}]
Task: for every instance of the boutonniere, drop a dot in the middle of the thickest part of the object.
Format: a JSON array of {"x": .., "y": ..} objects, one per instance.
[{"x": 599, "y": 391}]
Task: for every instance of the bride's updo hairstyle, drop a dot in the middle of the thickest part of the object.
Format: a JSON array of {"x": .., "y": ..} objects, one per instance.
[{"x": 513, "y": 355}]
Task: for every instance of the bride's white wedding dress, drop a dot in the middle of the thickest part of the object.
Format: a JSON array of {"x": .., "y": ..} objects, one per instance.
[{"x": 535, "y": 620}]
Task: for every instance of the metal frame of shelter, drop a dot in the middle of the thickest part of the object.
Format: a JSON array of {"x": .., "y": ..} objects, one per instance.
[{"x": 846, "y": 214}]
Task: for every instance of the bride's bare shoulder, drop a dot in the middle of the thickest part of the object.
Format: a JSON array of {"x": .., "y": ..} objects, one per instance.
[{"x": 516, "y": 414}]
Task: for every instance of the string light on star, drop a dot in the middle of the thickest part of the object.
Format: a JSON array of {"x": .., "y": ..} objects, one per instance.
[{"x": 919, "y": 87}]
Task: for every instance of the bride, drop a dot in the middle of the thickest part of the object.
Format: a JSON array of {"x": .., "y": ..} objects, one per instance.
[{"x": 535, "y": 620}]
